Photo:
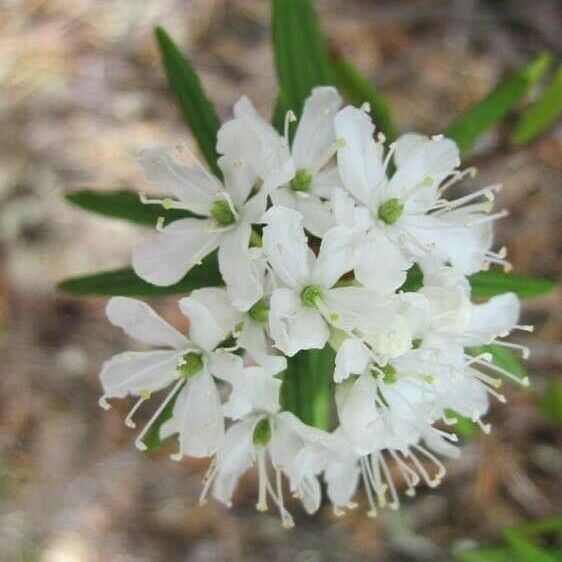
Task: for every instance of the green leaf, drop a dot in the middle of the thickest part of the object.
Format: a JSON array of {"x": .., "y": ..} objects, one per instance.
[
  {"x": 306, "y": 388},
  {"x": 542, "y": 114},
  {"x": 300, "y": 54},
  {"x": 126, "y": 283},
  {"x": 550, "y": 404},
  {"x": 483, "y": 115},
  {"x": 123, "y": 204},
  {"x": 193, "y": 103},
  {"x": 504, "y": 359},
  {"x": 524, "y": 549},
  {"x": 414, "y": 280},
  {"x": 359, "y": 90},
  {"x": 491, "y": 283}
]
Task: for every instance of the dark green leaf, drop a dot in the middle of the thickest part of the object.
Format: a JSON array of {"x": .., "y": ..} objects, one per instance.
[
  {"x": 123, "y": 204},
  {"x": 491, "y": 283},
  {"x": 300, "y": 54},
  {"x": 306, "y": 389},
  {"x": 542, "y": 114},
  {"x": 359, "y": 90},
  {"x": 193, "y": 103},
  {"x": 483, "y": 115},
  {"x": 125, "y": 282}
]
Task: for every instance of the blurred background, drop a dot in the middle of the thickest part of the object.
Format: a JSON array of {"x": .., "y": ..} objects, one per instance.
[{"x": 81, "y": 90}]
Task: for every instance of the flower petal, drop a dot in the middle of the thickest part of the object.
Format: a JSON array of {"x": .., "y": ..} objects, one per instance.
[
  {"x": 315, "y": 132},
  {"x": 165, "y": 259},
  {"x": 197, "y": 417},
  {"x": 195, "y": 187},
  {"x": 140, "y": 322},
  {"x": 234, "y": 457},
  {"x": 360, "y": 161},
  {"x": 253, "y": 388},
  {"x": 294, "y": 327},
  {"x": 211, "y": 316},
  {"x": 242, "y": 271},
  {"x": 337, "y": 255},
  {"x": 252, "y": 140},
  {"x": 254, "y": 341},
  {"x": 352, "y": 358},
  {"x": 382, "y": 265},
  {"x": 133, "y": 372},
  {"x": 285, "y": 245}
]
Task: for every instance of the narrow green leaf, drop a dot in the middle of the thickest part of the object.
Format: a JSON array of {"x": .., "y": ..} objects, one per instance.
[
  {"x": 124, "y": 282},
  {"x": 503, "y": 358},
  {"x": 193, "y": 103},
  {"x": 491, "y": 283},
  {"x": 359, "y": 90},
  {"x": 542, "y": 114},
  {"x": 299, "y": 51},
  {"x": 525, "y": 550},
  {"x": 483, "y": 115},
  {"x": 306, "y": 388},
  {"x": 123, "y": 204}
]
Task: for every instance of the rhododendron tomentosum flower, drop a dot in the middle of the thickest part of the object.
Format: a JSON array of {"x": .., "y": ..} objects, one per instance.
[
  {"x": 407, "y": 217},
  {"x": 187, "y": 365},
  {"x": 229, "y": 211},
  {"x": 343, "y": 467},
  {"x": 306, "y": 304},
  {"x": 265, "y": 436},
  {"x": 303, "y": 169}
]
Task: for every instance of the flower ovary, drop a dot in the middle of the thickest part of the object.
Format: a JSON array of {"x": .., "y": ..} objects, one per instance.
[
  {"x": 191, "y": 363},
  {"x": 391, "y": 210},
  {"x": 310, "y": 294},
  {"x": 389, "y": 374},
  {"x": 302, "y": 180}
]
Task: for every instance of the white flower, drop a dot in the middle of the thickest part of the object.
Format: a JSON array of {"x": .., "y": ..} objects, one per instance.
[
  {"x": 188, "y": 363},
  {"x": 407, "y": 218},
  {"x": 307, "y": 304},
  {"x": 228, "y": 212},
  {"x": 261, "y": 435},
  {"x": 303, "y": 171}
]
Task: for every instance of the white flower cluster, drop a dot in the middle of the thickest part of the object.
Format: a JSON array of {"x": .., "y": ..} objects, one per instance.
[{"x": 402, "y": 361}]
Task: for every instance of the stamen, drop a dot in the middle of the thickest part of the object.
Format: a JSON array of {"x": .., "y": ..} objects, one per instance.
[
  {"x": 129, "y": 419},
  {"x": 207, "y": 481},
  {"x": 455, "y": 178},
  {"x": 139, "y": 444},
  {"x": 366, "y": 484},
  {"x": 103, "y": 403},
  {"x": 290, "y": 117},
  {"x": 327, "y": 155},
  {"x": 262, "y": 480},
  {"x": 395, "y": 501},
  {"x": 166, "y": 202}
]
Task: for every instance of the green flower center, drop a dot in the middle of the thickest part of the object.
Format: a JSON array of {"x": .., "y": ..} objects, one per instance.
[
  {"x": 391, "y": 210},
  {"x": 389, "y": 373},
  {"x": 191, "y": 364},
  {"x": 262, "y": 433},
  {"x": 221, "y": 212},
  {"x": 302, "y": 180},
  {"x": 260, "y": 311},
  {"x": 310, "y": 294}
]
